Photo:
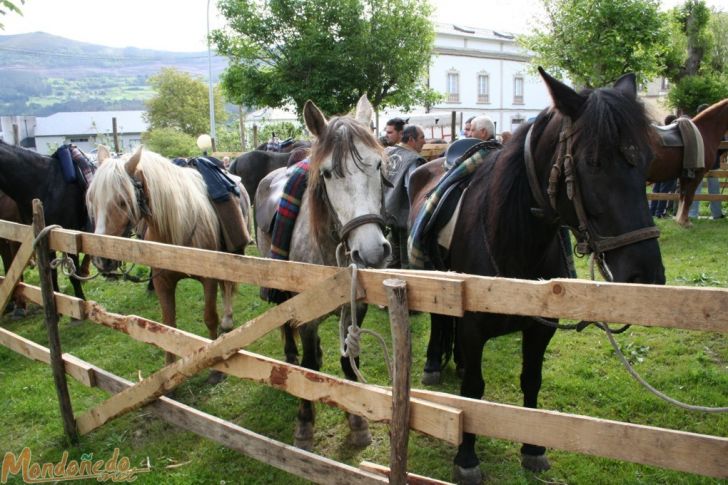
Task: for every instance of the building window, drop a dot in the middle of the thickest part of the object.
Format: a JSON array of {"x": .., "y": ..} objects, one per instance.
[
  {"x": 78, "y": 140},
  {"x": 518, "y": 89},
  {"x": 483, "y": 88},
  {"x": 516, "y": 121},
  {"x": 664, "y": 84},
  {"x": 453, "y": 87}
]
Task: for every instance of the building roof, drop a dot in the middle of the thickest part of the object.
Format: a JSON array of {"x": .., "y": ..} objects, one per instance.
[
  {"x": 475, "y": 32},
  {"x": 90, "y": 123}
]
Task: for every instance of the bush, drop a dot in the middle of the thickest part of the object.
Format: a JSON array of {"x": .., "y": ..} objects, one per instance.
[
  {"x": 170, "y": 143},
  {"x": 692, "y": 91}
]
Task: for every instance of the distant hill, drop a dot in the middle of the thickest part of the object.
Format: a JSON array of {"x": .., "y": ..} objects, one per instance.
[{"x": 43, "y": 74}]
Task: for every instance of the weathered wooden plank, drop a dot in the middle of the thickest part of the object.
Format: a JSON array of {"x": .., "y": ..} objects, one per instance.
[
  {"x": 317, "y": 301},
  {"x": 371, "y": 402},
  {"x": 14, "y": 231},
  {"x": 412, "y": 478},
  {"x": 13, "y": 275},
  {"x": 74, "y": 367},
  {"x": 65, "y": 304},
  {"x": 665, "y": 448},
  {"x": 427, "y": 294},
  {"x": 674, "y": 196},
  {"x": 679, "y": 307},
  {"x": 401, "y": 366}
]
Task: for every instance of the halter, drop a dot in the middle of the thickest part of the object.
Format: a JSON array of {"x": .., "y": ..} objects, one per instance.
[
  {"x": 343, "y": 230},
  {"x": 588, "y": 239}
]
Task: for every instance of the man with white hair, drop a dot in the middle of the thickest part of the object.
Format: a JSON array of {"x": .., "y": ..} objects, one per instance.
[{"x": 482, "y": 127}]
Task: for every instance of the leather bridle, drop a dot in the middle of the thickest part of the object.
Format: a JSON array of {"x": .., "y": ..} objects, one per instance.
[{"x": 564, "y": 167}]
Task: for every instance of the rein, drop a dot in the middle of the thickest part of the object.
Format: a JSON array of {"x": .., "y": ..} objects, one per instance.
[{"x": 589, "y": 241}]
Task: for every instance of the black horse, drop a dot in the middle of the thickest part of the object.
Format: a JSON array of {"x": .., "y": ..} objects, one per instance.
[
  {"x": 251, "y": 167},
  {"x": 26, "y": 175},
  {"x": 582, "y": 163}
]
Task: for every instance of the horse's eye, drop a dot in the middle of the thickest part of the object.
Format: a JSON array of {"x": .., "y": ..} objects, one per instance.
[{"x": 326, "y": 173}]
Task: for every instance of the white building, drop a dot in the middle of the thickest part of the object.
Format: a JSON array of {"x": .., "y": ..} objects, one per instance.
[
  {"x": 479, "y": 71},
  {"x": 86, "y": 129}
]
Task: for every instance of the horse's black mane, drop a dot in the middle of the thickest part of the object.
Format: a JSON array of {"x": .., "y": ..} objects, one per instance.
[{"x": 608, "y": 123}]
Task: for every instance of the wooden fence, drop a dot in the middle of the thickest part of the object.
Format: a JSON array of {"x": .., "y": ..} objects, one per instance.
[{"x": 437, "y": 414}]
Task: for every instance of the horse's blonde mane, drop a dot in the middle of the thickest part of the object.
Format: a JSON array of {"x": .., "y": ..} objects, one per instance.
[{"x": 180, "y": 211}]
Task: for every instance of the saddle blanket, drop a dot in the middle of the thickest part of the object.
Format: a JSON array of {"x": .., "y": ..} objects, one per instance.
[
  {"x": 284, "y": 220},
  {"x": 683, "y": 133},
  {"x": 426, "y": 225}
]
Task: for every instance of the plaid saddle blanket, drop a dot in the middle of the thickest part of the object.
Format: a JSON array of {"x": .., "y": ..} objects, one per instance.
[
  {"x": 284, "y": 220},
  {"x": 421, "y": 234}
]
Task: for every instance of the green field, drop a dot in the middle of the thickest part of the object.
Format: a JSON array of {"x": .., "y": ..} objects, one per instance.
[{"x": 581, "y": 375}]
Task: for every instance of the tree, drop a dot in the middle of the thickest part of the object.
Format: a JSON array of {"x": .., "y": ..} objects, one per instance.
[
  {"x": 330, "y": 51},
  {"x": 696, "y": 61},
  {"x": 594, "y": 41},
  {"x": 9, "y": 6},
  {"x": 182, "y": 102}
]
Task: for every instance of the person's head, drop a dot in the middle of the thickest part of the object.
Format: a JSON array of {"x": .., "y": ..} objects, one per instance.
[
  {"x": 413, "y": 137},
  {"x": 468, "y": 127},
  {"x": 669, "y": 119},
  {"x": 482, "y": 127},
  {"x": 394, "y": 129},
  {"x": 226, "y": 161},
  {"x": 505, "y": 136},
  {"x": 702, "y": 107}
]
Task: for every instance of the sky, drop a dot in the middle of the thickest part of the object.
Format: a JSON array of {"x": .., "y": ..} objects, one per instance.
[{"x": 181, "y": 25}]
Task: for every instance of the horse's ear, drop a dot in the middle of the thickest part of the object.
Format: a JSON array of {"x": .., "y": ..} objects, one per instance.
[
  {"x": 102, "y": 153},
  {"x": 133, "y": 162},
  {"x": 314, "y": 119},
  {"x": 364, "y": 111},
  {"x": 565, "y": 99},
  {"x": 627, "y": 85}
]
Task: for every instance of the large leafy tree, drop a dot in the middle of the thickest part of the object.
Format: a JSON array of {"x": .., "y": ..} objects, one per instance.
[
  {"x": 182, "y": 102},
  {"x": 596, "y": 41},
  {"x": 331, "y": 51},
  {"x": 697, "y": 61}
]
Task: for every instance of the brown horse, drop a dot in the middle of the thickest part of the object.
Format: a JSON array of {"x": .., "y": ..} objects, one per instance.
[
  {"x": 9, "y": 212},
  {"x": 173, "y": 203},
  {"x": 667, "y": 164}
]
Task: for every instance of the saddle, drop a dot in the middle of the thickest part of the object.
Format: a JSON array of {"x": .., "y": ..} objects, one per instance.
[
  {"x": 75, "y": 165},
  {"x": 224, "y": 192},
  {"x": 683, "y": 133},
  {"x": 433, "y": 228}
]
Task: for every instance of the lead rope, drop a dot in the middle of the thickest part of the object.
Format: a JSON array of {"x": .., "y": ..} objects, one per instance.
[
  {"x": 607, "y": 274},
  {"x": 350, "y": 337},
  {"x": 64, "y": 261}
]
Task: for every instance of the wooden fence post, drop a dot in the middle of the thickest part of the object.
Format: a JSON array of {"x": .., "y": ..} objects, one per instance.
[
  {"x": 51, "y": 320},
  {"x": 115, "y": 132},
  {"x": 401, "y": 343}
]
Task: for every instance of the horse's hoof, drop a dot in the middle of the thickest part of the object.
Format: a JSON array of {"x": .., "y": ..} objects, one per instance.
[
  {"x": 226, "y": 324},
  {"x": 215, "y": 377},
  {"x": 467, "y": 476},
  {"x": 303, "y": 436},
  {"x": 359, "y": 435},
  {"x": 535, "y": 463},
  {"x": 431, "y": 378}
]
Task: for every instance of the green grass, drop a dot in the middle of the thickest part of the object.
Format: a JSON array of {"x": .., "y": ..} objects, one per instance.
[{"x": 581, "y": 375}]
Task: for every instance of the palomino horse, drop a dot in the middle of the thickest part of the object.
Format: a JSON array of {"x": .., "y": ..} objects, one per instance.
[
  {"x": 172, "y": 203},
  {"x": 712, "y": 124},
  {"x": 9, "y": 212},
  {"x": 26, "y": 175},
  {"x": 341, "y": 208},
  {"x": 582, "y": 163}
]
